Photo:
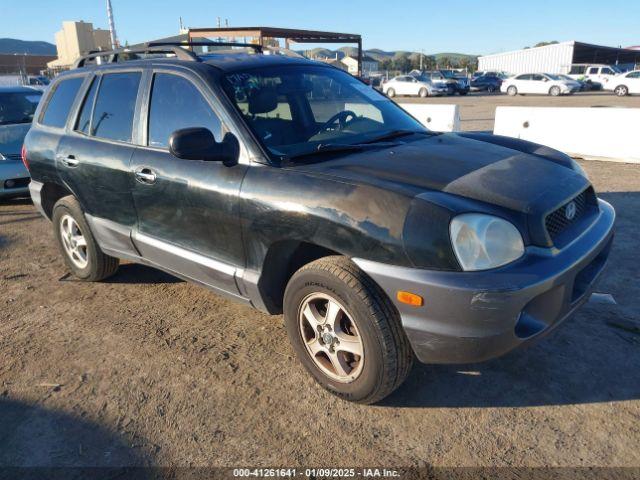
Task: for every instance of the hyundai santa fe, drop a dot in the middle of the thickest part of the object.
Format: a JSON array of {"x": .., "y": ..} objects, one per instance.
[{"x": 296, "y": 189}]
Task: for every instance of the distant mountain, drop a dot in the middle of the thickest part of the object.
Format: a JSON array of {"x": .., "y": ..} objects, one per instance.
[
  {"x": 12, "y": 45},
  {"x": 380, "y": 55}
]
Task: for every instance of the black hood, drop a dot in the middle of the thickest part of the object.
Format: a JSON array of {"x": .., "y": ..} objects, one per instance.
[{"x": 474, "y": 166}]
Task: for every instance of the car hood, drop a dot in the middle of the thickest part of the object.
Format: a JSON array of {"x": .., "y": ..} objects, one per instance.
[
  {"x": 12, "y": 137},
  {"x": 521, "y": 176}
]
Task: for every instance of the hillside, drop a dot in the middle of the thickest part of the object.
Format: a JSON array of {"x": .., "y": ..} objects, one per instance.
[
  {"x": 12, "y": 45},
  {"x": 380, "y": 55}
]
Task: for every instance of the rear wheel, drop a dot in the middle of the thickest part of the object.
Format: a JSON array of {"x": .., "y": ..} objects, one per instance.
[
  {"x": 345, "y": 331},
  {"x": 491, "y": 89},
  {"x": 512, "y": 91},
  {"x": 423, "y": 92},
  {"x": 554, "y": 91},
  {"x": 391, "y": 93},
  {"x": 621, "y": 91},
  {"x": 81, "y": 253}
]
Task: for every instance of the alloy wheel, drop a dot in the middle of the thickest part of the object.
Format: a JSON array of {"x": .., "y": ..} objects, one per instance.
[
  {"x": 331, "y": 337},
  {"x": 73, "y": 241}
]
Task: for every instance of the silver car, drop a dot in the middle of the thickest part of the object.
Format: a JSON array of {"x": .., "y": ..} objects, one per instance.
[{"x": 17, "y": 106}]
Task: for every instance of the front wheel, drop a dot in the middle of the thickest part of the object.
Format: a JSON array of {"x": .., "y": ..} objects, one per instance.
[
  {"x": 554, "y": 91},
  {"x": 391, "y": 93},
  {"x": 423, "y": 93},
  {"x": 345, "y": 331},
  {"x": 621, "y": 91},
  {"x": 491, "y": 89},
  {"x": 81, "y": 253},
  {"x": 512, "y": 91}
]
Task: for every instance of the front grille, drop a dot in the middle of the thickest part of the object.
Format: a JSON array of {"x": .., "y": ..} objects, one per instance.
[
  {"x": 12, "y": 156},
  {"x": 558, "y": 220}
]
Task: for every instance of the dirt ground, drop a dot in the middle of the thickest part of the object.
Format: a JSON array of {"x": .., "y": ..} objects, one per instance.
[{"x": 145, "y": 369}]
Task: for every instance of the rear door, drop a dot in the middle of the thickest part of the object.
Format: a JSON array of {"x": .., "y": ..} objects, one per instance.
[
  {"x": 188, "y": 219},
  {"x": 94, "y": 156},
  {"x": 539, "y": 84}
]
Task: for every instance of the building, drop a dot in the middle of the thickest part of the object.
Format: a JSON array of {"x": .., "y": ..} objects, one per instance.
[
  {"x": 22, "y": 64},
  {"x": 556, "y": 58},
  {"x": 77, "y": 39},
  {"x": 369, "y": 65}
]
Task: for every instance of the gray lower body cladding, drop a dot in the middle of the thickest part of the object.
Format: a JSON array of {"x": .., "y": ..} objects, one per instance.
[{"x": 475, "y": 316}]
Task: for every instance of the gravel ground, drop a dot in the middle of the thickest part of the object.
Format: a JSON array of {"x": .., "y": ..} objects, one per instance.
[{"x": 145, "y": 369}]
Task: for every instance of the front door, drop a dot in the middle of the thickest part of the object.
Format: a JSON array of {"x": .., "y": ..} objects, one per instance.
[{"x": 188, "y": 219}]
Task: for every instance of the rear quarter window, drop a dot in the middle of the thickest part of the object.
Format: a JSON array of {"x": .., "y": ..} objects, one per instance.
[{"x": 59, "y": 104}]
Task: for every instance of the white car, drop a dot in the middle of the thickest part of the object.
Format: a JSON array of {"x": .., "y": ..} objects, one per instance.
[
  {"x": 624, "y": 84},
  {"x": 538, "y": 83},
  {"x": 596, "y": 73},
  {"x": 410, "y": 85}
]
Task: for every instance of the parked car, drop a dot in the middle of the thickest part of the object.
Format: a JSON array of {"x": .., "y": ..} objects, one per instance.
[
  {"x": 437, "y": 78},
  {"x": 410, "y": 85},
  {"x": 17, "y": 106},
  {"x": 378, "y": 239},
  {"x": 576, "y": 85},
  {"x": 595, "y": 73},
  {"x": 461, "y": 81},
  {"x": 488, "y": 83},
  {"x": 624, "y": 84},
  {"x": 538, "y": 83}
]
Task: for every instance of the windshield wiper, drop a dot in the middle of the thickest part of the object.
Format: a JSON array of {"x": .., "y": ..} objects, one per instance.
[
  {"x": 396, "y": 134},
  {"x": 323, "y": 148}
]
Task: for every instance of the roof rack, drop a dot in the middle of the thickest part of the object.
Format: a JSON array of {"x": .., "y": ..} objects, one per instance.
[
  {"x": 176, "y": 48},
  {"x": 113, "y": 55}
]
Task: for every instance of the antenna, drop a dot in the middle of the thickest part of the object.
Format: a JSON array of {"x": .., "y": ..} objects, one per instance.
[{"x": 112, "y": 26}]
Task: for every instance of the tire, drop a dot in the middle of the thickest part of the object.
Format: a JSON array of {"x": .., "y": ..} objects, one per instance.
[
  {"x": 512, "y": 91},
  {"x": 491, "y": 89},
  {"x": 621, "y": 91},
  {"x": 554, "y": 91},
  {"x": 391, "y": 93},
  {"x": 88, "y": 262},
  {"x": 462, "y": 94},
  {"x": 365, "y": 312},
  {"x": 423, "y": 93}
]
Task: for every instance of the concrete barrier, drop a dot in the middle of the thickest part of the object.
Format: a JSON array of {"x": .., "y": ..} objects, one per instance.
[
  {"x": 590, "y": 133},
  {"x": 439, "y": 118}
]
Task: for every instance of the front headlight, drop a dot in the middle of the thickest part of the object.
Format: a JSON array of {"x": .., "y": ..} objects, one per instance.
[{"x": 481, "y": 241}]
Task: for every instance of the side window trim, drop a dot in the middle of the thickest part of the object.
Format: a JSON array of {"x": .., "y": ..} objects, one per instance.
[
  {"x": 74, "y": 126},
  {"x": 145, "y": 109}
]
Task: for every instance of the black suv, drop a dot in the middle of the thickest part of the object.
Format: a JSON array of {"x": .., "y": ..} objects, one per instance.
[{"x": 295, "y": 188}]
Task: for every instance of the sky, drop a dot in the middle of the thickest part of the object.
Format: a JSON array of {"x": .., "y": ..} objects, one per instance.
[{"x": 463, "y": 26}]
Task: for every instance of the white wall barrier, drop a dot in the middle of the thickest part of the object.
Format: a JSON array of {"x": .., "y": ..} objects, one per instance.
[
  {"x": 592, "y": 133},
  {"x": 439, "y": 118}
]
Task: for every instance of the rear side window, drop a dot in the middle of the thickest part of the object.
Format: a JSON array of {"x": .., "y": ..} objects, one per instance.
[
  {"x": 593, "y": 71},
  {"x": 59, "y": 104},
  {"x": 176, "y": 103},
  {"x": 85, "y": 113},
  {"x": 115, "y": 106}
]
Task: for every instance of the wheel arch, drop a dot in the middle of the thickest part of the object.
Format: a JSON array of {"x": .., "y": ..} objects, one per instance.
[
  {"x": 50, "y": 193},
  {"x": 281, "y": 261}
]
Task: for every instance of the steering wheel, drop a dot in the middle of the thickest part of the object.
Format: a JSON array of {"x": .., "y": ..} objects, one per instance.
[{"x": 341, "y": 118}]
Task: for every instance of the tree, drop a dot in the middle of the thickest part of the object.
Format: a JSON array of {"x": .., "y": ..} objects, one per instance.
[
  {"x": 402, "y": 64},
  {"x": 386, "y": 64},
  {"x": 543, "y": 44}
]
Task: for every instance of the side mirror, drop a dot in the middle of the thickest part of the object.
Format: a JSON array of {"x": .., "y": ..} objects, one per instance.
[{"x": 199, "y": 144}]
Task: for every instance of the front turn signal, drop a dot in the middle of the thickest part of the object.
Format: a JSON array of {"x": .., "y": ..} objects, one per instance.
[{"x": 410, "y": 298}]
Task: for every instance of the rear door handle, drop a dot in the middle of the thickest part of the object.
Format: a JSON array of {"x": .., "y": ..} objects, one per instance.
[
  {"x": 69, "y": 160},
  {"x": 145, "y": 175}
]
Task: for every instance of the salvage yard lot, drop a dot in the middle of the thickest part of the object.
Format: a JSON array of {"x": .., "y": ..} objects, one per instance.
[{"x": 147, "y": 369}]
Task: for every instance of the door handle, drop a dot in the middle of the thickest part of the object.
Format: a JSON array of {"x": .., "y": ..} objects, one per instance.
[
  {"x": 146, "y": 175},
  {"x": 69, "y": 160}
]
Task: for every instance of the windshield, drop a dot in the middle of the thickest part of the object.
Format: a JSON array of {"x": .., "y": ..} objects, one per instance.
[
  {"x": 18, "y": 107},
  {"x": 553, "y": 77},
  {"x": 296, "y": 110}
]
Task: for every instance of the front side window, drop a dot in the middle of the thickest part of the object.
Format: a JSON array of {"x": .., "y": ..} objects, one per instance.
[
  {"x": 18, "y": 107},
  {"x": 593, "y": 71},
  {"x": 115, "y": 106},
  {"x": 60, "y": 101},
  {"x": 293, "y": 110},
  {"x": 176, "y": 103}
]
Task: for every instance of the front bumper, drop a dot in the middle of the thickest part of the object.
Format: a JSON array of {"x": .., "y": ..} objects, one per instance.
[
  {"x": 14, "y": 179},
  {"x": 475, "y": 316}
]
